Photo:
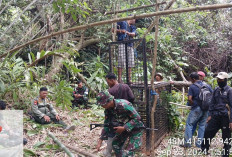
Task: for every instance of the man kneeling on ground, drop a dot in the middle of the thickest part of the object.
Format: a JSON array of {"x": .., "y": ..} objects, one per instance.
[
  {"x": 128, "y": 124},
  {"x": 80, "y": 95},
  {"x": 43, "y": 111}
]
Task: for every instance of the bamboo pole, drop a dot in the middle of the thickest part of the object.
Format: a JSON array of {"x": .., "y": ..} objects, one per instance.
[
  {"x": 70, "y": 154},
  {"x": 152, "y": 81},
  {"x": 81, "y": 152},
  {"x": 159, "y": 13}
]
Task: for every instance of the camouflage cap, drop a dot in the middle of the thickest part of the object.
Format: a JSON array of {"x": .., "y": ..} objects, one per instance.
[{"x": 104, "y": 97}]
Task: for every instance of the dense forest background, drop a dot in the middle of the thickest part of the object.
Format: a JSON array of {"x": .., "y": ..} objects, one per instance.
[{"x": 194, "y": 41}]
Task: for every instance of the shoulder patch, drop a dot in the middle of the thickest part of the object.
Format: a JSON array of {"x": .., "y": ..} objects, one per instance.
[{"x": 35, "y": 102}]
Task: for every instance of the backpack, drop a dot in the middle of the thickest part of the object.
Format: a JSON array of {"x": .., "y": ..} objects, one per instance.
[{"x": 205, "y": 96}]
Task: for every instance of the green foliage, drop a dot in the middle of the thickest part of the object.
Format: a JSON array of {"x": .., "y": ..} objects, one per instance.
[
  {"x": 97, "y": 69},
  {"x": 11, "y": 77},
  {"x": 173, "y": 113},
  {"x": 63, "y": 95},
  {"x": 74, "y": 7}
]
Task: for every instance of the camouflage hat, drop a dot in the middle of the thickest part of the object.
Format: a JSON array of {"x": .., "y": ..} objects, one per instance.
[{"x": 104, "y": 97}]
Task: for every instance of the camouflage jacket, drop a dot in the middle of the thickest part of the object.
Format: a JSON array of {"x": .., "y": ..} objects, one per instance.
[
  {"x": 124, "y": 113},
  {"x": 82, "y": 91},
  {"x": 41, "y": 107}
]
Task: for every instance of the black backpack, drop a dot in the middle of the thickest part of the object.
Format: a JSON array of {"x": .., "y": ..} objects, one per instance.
[{"x": 205, "y": 96}]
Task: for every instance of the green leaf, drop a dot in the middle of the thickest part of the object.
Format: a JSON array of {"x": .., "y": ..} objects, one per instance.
[
  {"x": 42, "y": 53},
  {"x": 33, "y": 56},
  {"x": 32, "y": 132},
  {"x": 31, "y": 76},
  {"x": 28, "y": 152},
  {"x": 38, "y": 144}
]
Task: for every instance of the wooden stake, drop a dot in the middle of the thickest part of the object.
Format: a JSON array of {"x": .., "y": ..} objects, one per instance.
[{"x": 152, "y": 81}]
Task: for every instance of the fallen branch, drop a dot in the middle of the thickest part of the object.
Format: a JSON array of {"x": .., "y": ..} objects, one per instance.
[
  {"x": 158, "y": 13},
  {"x": 61, "y": 145},
  {"x": 179, "y": 69},
  {"x": 42, "y": 58},
  {"x": 81, "y": 77},
  {"x": 81, "y": 152}
]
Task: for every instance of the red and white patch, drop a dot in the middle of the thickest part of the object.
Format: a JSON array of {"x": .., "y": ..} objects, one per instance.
[{"x": 35, "y": 102}]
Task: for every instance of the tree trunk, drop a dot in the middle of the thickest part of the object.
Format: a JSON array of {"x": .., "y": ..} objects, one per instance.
[{"x": 58, "y": 63}]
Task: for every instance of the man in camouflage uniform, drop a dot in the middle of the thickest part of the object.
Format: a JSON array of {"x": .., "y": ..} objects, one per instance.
[
  {"x": 123, "y": 113},
  {"x": 43, "y": 111},
  {"x": 80, "y": 95}
]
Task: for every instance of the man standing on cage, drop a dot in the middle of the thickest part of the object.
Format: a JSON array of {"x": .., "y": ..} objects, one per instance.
[{"x": 126, "y": 30}]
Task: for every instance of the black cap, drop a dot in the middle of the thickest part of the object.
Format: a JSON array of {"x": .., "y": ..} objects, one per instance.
[{"x": 43, "y": 89}]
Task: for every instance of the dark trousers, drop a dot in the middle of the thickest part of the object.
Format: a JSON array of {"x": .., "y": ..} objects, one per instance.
[
  {"x": 52, "y": 119},
  {"x": 80, "y": 101},
  {"x": 216, "y": 123}
]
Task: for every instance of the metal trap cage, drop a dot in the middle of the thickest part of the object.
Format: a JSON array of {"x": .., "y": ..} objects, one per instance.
[{"x": 120, "y": 57}]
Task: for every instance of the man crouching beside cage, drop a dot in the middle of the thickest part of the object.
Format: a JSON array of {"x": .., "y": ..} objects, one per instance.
[{"x": 129, "y": 124}]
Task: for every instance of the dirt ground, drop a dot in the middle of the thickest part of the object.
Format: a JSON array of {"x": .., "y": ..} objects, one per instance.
[
  {"x": 81, "y": 138},
  {"x": 40, "y": 144}
]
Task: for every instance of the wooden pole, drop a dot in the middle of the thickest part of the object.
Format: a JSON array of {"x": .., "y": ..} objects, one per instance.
[
  {"x": 70, "y": 154},
  {"x": 155, "y": 97},
  {"x": 158, "y": 13}
]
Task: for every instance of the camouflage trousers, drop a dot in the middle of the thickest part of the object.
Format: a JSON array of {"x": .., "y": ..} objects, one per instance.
[
  {"x": 80, "y": 101},
  {"x": 135, "y": 142},
  {"x": 52, "y": 119}
]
